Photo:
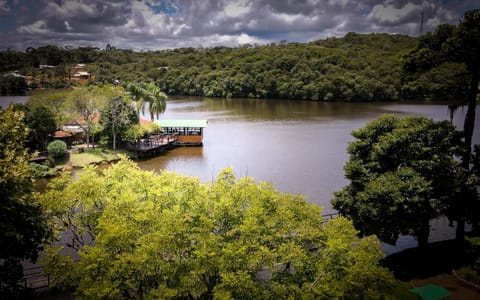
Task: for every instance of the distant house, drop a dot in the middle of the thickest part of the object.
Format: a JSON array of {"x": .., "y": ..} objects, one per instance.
[
  {"x": 43, "y": 67},
  {"x": 13, "y": 74},
  {"x": 81, "y": 76},
  {"x": 65, "y": 136},
  {"x": 79, "y": 66},
  {"x": 76, "y": 132}
]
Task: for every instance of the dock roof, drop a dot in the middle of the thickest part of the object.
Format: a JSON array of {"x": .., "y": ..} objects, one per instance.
[{"x": 182, "y": 123}]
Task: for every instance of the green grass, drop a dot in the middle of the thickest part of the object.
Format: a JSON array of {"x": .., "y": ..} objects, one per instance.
[
  {"x": 94, "y": 156},
  {"x": 400, "y": 291}
]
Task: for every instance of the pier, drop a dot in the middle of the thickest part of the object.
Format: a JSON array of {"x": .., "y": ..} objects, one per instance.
[{"x": 154, "y": 145}]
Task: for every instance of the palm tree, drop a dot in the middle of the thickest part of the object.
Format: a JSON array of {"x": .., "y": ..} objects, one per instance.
[
  {"x": 139, "y": 95},
  {"x": 157, "y": 100}
]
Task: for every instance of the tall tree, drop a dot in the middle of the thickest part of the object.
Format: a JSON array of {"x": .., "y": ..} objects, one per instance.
[
  {"x": 85, "y": 105},
  {"x": 41, "y": 123},
  {"x": 402, "y": 172},
  {"x": 468, "y": 35},
  {"x": 156, "y": 100},
  {"x": 22, "y": 223},
  {"x": 170, "y": 236},
  {"x": 139, "y": 95},
  {"x": 117, "y": 117},
  {"x": 458, "y": 44}
]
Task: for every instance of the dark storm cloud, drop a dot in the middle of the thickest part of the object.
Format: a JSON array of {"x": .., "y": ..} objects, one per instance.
[{"x": 155, "y": 24}]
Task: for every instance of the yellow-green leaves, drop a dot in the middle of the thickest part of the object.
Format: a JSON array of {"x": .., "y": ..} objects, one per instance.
[{"x": 166, "y": 235}]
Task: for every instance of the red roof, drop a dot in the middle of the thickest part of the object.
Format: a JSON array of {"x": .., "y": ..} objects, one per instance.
[
  {"x": 145, "y": 121},
  {"x": 61, "y": 134}
]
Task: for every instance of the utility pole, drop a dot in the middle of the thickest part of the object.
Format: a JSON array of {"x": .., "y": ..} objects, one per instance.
[{"x": 421, "y": 23}]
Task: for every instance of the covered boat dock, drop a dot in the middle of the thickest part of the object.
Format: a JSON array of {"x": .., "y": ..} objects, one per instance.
[{"x": 187, "y": 132}]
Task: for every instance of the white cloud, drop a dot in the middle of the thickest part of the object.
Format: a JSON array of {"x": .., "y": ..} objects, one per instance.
[
  {"x": 389, "y": 14},
  {"x": 4, "y": 6},
  {"x": 434, "y": 22},
  {"x": 237, "y": 8},
  {"x": 67, "y": 25},
  {"x": 39, "y": 27},
  {"x": 154, "y": 24},
  {"x": 71, "y": 8}
]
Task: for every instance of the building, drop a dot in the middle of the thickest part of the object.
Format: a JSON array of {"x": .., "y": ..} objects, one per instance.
[{"x": 188, "y": 132}]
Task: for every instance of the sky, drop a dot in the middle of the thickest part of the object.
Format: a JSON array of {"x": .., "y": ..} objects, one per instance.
[{"x": 166, "y": 24}]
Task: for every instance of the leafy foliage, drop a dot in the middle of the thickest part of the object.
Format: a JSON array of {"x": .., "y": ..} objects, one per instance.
[
  {"x": 117, "y": 117},
  {"x": 170, "y": 236},
  {"x": 450, "y": 45},
  {"x": 57, "y": 148},
  {"x": 354, "y": 68},
  {"x": 41, "y": 124},
  {"x": 40, "y": 170},
  {"x": 402, "y": 173},
  {"x": 22, "y": 224}
]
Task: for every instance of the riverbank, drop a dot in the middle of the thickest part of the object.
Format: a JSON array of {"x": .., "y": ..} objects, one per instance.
[{"x": 80, "y": 156}]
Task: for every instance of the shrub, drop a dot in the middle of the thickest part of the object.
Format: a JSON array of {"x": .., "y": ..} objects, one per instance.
[
  {"x": 39, "y": 171},
  {"x": 57, "y": 148}
]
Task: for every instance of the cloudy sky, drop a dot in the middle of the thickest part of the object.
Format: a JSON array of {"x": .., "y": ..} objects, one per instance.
[{"x": 161, "y": 24}]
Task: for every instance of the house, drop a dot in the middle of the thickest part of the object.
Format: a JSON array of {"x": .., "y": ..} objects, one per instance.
[
  {"x": 13, "y": 74},
  {"x": 79, "y": 66}
]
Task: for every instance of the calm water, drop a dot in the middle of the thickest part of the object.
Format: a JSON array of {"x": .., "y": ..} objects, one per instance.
[{"x": 300, "y": 147}]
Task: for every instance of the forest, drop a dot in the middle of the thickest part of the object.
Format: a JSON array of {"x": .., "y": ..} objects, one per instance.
[{"x": 357, "y": 67}]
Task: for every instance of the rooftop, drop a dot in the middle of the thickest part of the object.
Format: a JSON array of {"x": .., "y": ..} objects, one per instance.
[{"x": 182, "y": 123}]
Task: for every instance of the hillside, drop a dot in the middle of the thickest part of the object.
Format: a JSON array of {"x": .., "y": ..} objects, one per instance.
[{"x": 353, "y": 68}]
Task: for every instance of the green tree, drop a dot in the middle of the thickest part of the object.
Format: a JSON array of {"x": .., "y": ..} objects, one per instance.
[
  {"x": 117, "y": 117},
  {"x": 84, "y": 105},
  {"x": 170, "y": 236},
  {"x": 456, "y": 44},
  {"x": 156, "y": 101},
  {"x": 139, "y": 95},
  {"x": 57, "y": 148},
  {"x": 41, "y": 123},
  {"x": 54, "y": 100},
  {"x": 22, "y": 223},
  {"x": 402, "y": 173}
]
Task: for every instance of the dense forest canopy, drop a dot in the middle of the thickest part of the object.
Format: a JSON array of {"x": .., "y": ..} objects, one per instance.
[{"x": 357, "y": 67}]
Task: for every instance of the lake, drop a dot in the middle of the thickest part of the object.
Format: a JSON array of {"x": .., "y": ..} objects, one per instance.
[{"x": 299, "y": 146}]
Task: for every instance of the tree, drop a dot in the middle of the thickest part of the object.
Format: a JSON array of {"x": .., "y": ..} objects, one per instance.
[
  {"x": 22, "y": 223},
  {"x": 456, "y": 44},
  {"x": 57, "y": 148},
  {"x": 117, "y": 117},
  {"x": 84, "y": 105},
  {"x": 41, "y": 123},
  {"x": 402, "y": 173},
  {"x": 139, "y": 95},
  {"x": 170, "y": 236},
  {"x": 468, "y": 37},
  {"x": 156, "y": 101},
  {"x": 54, "y": 100}
]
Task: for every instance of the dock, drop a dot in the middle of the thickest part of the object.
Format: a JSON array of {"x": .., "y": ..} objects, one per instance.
[{"x": 152, "y": 146}]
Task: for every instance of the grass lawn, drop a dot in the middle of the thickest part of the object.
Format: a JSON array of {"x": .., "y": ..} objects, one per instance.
[{"x": 94, "y": 156}]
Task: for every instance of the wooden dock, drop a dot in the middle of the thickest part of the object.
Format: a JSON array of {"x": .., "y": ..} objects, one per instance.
[{"x": 152, "y": 146}]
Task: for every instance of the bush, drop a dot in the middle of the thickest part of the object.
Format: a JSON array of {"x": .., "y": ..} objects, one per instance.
[
  {"x": 40, "y": 171},
  {"x": 57, "y": 148}
]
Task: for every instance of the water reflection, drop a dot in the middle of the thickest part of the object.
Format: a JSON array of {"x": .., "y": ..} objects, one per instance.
[{"x": 300, "y": 146}]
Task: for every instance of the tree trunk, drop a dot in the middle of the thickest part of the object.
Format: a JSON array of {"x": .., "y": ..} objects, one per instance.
[
  {"x": 468, "y": 128},
  {"x": 88, "y": 138},
  {"x": 422, "y": 235},
  {"x": 114, "y": 138}
]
